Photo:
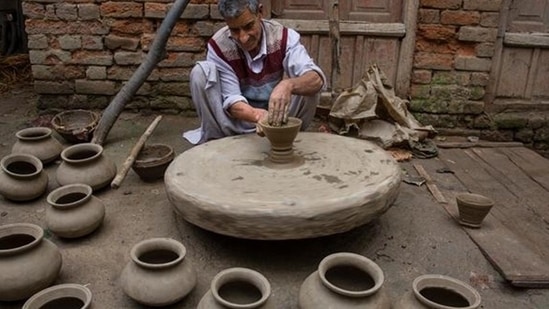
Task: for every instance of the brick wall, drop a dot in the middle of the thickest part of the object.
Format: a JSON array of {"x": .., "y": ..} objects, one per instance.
[
  {"x": 83, "y": 51},
  {"x": 454, "y": 49},
  {"x": 452, "y": 63}
]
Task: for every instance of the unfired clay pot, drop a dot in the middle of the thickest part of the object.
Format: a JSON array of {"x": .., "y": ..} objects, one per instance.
[
  {"x": 158, "y": 273},
  {"x": 281, "y": 139},
  {"x": 85, "y": 163},
  {"x": 473, "y": 208},
  {"x": 61, "y": 296},
  {"x": 38, "y": 142},
  {"x": 439, "y": 292},
  {"x": 74, "y": 211},
  {"x": 345, "y": 280},
  {"x": 152, "y": 161},
  {"x": 238, "y": 288},
  {"x": 28, "y": 262},
  {"x": 22, "y": 177}
]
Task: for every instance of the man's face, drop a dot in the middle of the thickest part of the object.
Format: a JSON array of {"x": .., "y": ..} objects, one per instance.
[{"x": 246, "y": 29}]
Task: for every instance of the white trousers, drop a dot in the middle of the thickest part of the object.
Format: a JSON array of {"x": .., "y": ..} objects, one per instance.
[{"x": 216, "y": 122}]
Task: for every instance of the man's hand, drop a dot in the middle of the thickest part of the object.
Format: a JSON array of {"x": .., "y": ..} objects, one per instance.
[
  {"x": 279, "y": 103},
  {"x": 261, "y": 115}
]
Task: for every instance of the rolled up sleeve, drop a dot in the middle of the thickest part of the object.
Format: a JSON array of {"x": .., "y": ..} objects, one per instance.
[
  {"x": 230, "y": 86},
  {"x": 297, "y": 61}
]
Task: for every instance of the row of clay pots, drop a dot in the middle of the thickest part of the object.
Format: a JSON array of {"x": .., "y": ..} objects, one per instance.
[
  {"x": 342, "y": 280},
  {"x": 22, "y": 177},
  {"x": 158, "y": 274}
]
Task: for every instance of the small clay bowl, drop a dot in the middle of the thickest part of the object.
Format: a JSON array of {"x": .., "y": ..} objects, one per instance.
[
  {"x": 281, "y": 137},
  {"x": 152, "y": 161},
  {"x": 76, "y": 126}
]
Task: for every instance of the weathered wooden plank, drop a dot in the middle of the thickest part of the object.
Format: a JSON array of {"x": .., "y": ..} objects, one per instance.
[
  {"x": 527, "y": 39},
  {"x": 531, "y": 163},
  {"x": 511, "y": 205},
  {"x": 346, "y": 27},
  {"x": 430, "y": 184},
  {"x": 529, "y": 212},
  {"x": 515, "y": 256},
  {"x": 407, "y": 48}
]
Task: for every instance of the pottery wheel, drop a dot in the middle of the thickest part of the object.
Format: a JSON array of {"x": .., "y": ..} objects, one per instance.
[{"x": 229, "y": 186}]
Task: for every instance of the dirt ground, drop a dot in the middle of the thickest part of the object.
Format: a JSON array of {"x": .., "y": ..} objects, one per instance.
[{"x": 414, "y": 237}]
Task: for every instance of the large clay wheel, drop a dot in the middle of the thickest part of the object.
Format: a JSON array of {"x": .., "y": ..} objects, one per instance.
[{"x": 229, "y": 186}]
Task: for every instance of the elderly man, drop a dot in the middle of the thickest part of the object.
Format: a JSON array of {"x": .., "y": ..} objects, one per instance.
[{"x": 255, "y": 69}]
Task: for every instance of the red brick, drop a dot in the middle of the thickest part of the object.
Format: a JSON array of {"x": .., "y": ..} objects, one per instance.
[
  {"x": 441, "y": 4},
  {"x": 437, "y": 32},
  {"x": 422, "y": 76},
  {"x": 428, "y": 16},
  {"x": 433, "y": 61},
  {"x": 460, "y": 18},
  {"x": 129, "y": 26},
  {"x": 437, "y": 46},
  {"x": 121, "y": 9}
]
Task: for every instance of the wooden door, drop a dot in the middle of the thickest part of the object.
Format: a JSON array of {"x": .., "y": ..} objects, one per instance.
[
  {"x": 345, "y": 37},
  {"x": 521, "y": 67}
]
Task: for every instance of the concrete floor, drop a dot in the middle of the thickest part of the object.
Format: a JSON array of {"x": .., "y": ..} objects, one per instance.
[{"x": 414, "y": 237}]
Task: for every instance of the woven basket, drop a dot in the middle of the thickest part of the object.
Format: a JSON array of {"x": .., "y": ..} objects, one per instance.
[{"x": 76, "y": 126}]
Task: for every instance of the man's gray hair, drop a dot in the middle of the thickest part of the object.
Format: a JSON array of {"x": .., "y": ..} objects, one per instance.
[{"x": 233, "y": 8}]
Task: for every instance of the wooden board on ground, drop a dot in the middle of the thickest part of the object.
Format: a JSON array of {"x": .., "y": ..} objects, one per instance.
[{"x": 515, "y": 234}]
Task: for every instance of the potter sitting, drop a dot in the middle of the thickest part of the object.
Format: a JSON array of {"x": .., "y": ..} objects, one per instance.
[{"x": 255, "y": 69}]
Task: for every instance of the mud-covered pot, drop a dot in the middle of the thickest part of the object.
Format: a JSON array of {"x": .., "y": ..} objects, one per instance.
[
  {"x": 439, "y": 292},
  {"x": 22, "y": 177},
  {"x": 158, "y": 273},
  {"x": 238, "y": 288},
  {"x": 345, "y": 280},
  {"x": 28, "y": 262},
  {"x": 39, "y": 142},
  {"x": 74, "y": 211},
  {"x": 85, "y": 163},
  {"x": 61, "y": 296}
]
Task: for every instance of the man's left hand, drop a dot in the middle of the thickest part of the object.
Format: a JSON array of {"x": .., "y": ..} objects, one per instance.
[{"x": 279, "y": 103}]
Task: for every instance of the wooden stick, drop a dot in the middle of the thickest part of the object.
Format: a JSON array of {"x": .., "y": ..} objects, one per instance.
[
  {"x": 430, "y": 185},
  {"x": 115, "y": 184}
]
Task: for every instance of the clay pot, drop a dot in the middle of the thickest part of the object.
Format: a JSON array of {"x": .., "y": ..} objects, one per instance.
[
  {"x": 281, "y": 139},
  {"x": 473, "y": 208},
  {"x": 152, "y": 161},
  {"x": 439, "y": 292},
  {"x": 28, "y": 262},
  {"x": 345, "y": 280},
  {"x": 76, "y": 126},
  {"x": 38, "y": 142},
  {"x": 238, "y": 288},
  {"x": 85, "y": 163},
  {"x": 158, "y": 273},
  {"x": 74, "y": 211},
  {"x": 66, "y": 296},
  {"x": 22, "y": 177}
]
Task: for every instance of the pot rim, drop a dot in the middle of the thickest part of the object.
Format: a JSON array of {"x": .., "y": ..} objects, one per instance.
[
  {"x": 241, "y": 274},
  {"x": 474, "y": 199},
  {"x": 67, "y": 152},
  {"x": 56, "y": 194},
  {"x": 292, "y": 122},
  {"x": 21, "y": 228},
  {"x": 57, "y": 291},
  {"x": 21, "y": 157},
  {"x": 165, "y": 158},
  {"x": 23, "y": 134},
  {"x": 449, "y": 283},
  {"x": 355, "y": 260},
  {"x": 158, "y": 244}
]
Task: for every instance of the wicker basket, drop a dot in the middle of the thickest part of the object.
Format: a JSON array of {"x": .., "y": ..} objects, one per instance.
[{"x": 76, "y": 126}]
